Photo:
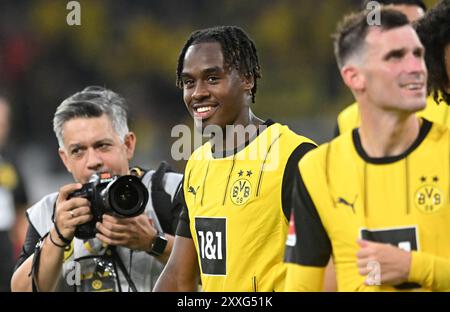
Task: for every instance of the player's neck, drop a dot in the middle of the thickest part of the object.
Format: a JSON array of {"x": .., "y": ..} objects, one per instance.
[
  {"x": 234, "y": 137},
  {"x": 388, "y": 135}
]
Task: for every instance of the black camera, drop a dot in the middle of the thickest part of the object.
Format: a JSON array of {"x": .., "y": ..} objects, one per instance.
[{"x": 124, "y": 196}]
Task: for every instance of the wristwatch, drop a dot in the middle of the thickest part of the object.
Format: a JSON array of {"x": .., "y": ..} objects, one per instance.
[{"x": 158, "y": 245}]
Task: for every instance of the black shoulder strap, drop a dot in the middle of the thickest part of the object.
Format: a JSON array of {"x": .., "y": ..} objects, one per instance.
[
  {"x": 35, "y": 263},
  {"x": 158, "y": 176},
  {"x": 162, "y": 203},
  {"x": 122, "y": 267}
]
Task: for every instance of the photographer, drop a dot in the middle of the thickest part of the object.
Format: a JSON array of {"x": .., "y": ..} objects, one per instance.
[{"x": 127, "y": 253}]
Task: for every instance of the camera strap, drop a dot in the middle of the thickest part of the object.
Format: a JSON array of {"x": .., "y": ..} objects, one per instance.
[
  {"x": 162, "y": 202},
  {"x": 122, "y": 267},
  {"x": 35, "y": 263}
]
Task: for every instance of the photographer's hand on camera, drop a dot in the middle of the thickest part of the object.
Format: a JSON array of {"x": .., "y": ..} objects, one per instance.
[
  {"x": 69, "y": 213},
  {"x": 135, "y": 233}
]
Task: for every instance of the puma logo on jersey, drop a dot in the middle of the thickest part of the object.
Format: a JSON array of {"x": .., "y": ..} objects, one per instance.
[
  {"x": 347, "y": 203},
  {"x": 192, "y": 190}
]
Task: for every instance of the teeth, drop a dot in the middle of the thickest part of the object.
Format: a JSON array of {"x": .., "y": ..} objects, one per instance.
[
  {"x": 203, "y": 109},
  {"x": 413, "y": 86}
]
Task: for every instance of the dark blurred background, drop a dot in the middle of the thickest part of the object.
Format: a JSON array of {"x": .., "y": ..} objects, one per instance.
[{"x": 132, "y": 47}]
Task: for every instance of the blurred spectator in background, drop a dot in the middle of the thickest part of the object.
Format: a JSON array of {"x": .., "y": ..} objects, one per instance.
[{"x": 13, "y": 199}]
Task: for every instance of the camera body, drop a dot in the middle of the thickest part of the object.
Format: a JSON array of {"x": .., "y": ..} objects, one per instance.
[{"x": 124, "y": 196}]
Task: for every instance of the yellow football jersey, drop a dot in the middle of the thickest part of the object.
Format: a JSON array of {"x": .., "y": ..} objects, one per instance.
[
  {"x": 349, "y": 118},
  {"x": 237, "y": 210},
  {"x": 345, "y": 195}
]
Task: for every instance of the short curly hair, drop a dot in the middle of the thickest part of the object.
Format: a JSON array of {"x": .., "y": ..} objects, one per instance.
[{"x": 434, "y": 32}]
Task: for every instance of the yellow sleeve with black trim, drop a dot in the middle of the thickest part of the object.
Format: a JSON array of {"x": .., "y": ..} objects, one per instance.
[
  {"x": 430, "y": 271},
  {"x": 308, "y": 247}
]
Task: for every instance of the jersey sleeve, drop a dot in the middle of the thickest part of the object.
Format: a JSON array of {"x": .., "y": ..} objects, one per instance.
[
  {"x": 430, "y": 271},
  {"x": 308, "y": 247},
  {"x": 289, "y": 176}
]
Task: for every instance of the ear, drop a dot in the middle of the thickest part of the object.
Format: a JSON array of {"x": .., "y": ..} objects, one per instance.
[
  {"x": 130, "y": 144},
  {"x": 248, "y": 82},
  {"x": 353, "y": 77},
  {"x": 65, "y": 159}
]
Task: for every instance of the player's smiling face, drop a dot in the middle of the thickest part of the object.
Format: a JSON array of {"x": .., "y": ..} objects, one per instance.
[
  {"x": 213, "y": 93},
  {"x": 394, "y": 69}
]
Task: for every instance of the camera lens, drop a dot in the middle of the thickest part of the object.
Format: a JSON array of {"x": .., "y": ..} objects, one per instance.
[{"x": 126, "y": 196}]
